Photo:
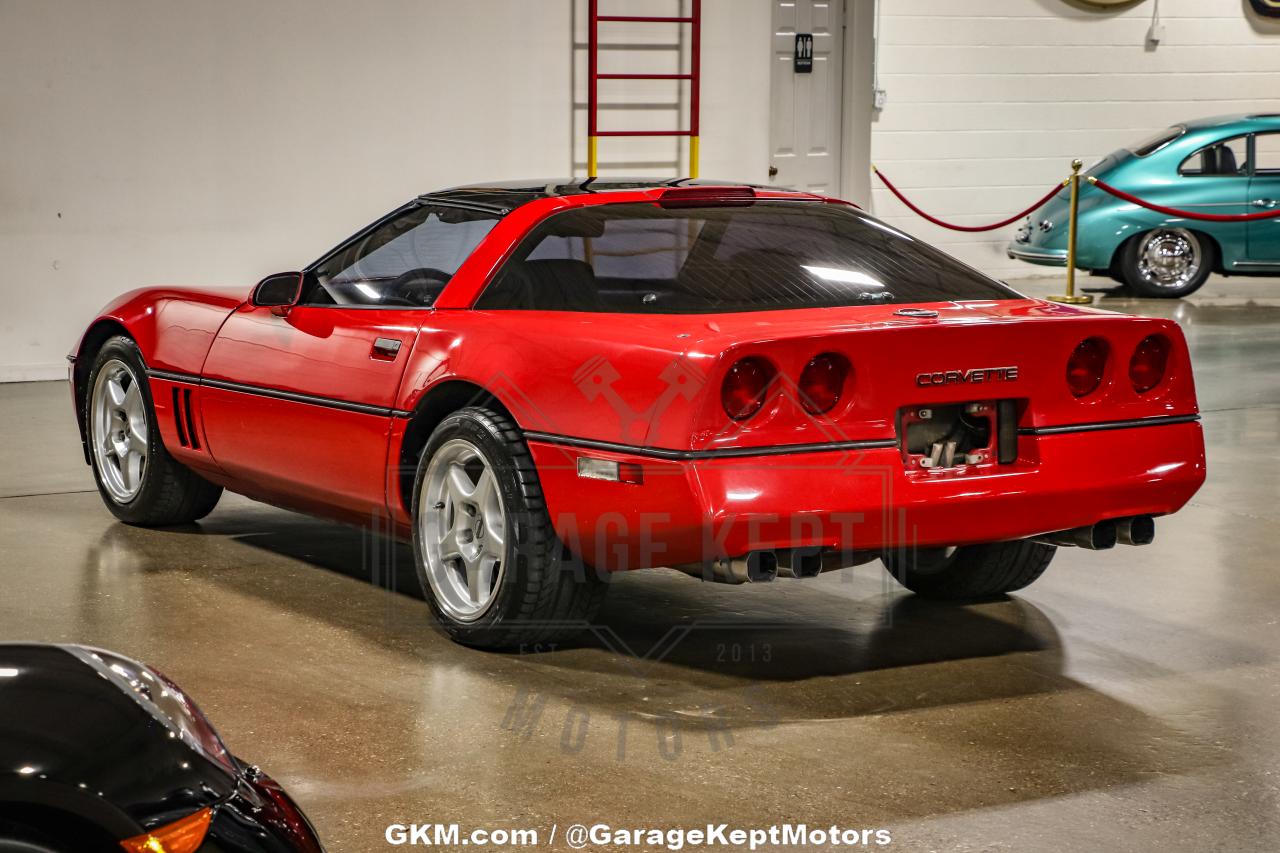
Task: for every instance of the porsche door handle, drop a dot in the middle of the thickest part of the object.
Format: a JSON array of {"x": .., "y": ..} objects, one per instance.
[
  {"x": 1265, "y": 202},
  {"x": 385, "y": 348}
]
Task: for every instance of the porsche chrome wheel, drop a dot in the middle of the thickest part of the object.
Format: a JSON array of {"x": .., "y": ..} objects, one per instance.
[
  {"x": 118, "y": 418},
  {"x": 462, "y": 528},
  {"x": 1170, "y": 258}
]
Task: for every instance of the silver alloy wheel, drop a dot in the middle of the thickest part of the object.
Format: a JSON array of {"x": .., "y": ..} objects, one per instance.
[
  {"x": 1169, "y": 258},
  {"x": 118, "y": 425},
  {"x": 462, "y": 529}
]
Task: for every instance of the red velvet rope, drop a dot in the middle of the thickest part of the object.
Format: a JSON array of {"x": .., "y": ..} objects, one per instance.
[
  {"x": 1184, "y": 214},
  {"x": 971, "y": 228}
]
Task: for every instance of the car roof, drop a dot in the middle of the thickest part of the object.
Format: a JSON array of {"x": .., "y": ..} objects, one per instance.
[
  {"x": 505, "y": 196},
  {"x": 1242, "y": 122},
  {"x": 1267, "y": 119}
]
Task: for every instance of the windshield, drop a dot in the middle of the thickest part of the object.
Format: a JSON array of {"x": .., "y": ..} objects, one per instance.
[{"x": 647, "y": 259}]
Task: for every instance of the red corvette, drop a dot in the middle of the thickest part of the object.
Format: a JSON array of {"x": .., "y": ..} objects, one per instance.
[{"x": 543, "y": 384}]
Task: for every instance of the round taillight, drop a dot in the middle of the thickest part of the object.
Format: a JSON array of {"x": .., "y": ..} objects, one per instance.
[
  {"x": 1146, "y": 368},
  {"x": 1087, "y": 365},
  {"x": 822, "y": 382},
  {"x": 745, "y": 387}
]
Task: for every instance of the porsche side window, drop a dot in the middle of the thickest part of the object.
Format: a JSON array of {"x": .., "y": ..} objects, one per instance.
[
  {"x": 405, "y": 262},
  {"x": 1227, "y": 158},
  {"x": 1266, "y": 155},
  {"x": 646, "y": 259}
]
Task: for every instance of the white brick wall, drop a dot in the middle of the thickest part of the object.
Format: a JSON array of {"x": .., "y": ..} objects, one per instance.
[{"x": 989, "y": 100}]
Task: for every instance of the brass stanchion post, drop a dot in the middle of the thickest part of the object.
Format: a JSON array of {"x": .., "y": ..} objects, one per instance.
[{"x": 1070, "y": 296}]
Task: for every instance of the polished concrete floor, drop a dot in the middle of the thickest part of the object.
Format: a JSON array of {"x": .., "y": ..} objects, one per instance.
[{"x": 1130, "y": 700}]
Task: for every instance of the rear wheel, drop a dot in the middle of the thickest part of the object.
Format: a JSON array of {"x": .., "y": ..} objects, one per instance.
[
  {"x": 1167, "y": 262},
  {"x": 138, "y": 479},
  {"x": 485, "y": 550},
  {"x": 969, "y": 572}
]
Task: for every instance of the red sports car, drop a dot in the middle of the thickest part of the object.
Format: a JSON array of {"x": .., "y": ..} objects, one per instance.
[{"x": 543, "y": 383}]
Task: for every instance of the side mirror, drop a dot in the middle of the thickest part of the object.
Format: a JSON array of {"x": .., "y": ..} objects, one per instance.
[{"x": 280, "y": 292}]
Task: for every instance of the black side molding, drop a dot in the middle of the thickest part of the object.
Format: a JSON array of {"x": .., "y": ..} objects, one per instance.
[
  {"x": 718, "y": 453},
  {"x": 1099, "y": 426}
]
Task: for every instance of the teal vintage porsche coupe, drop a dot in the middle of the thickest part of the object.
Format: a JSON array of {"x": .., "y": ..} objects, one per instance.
[{"x": 1223, "y": 165}]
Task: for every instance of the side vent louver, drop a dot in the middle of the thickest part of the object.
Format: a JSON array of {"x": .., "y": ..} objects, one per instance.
[{"x": 183, "y": 419}]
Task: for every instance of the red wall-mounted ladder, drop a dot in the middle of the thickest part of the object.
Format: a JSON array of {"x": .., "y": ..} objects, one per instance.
[{"x": 694, "y": 20}]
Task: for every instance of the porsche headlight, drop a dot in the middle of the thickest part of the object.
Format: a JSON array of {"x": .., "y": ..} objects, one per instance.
[{"x": 163, "y": 699}]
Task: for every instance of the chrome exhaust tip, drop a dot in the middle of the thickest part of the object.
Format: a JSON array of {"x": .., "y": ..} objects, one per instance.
[
  {"x": 800, "y": 563},
  {"x": 1138, "y": 530},
  {"x": 1095, "y": 537},
  {"x": 759, "y": 566}
]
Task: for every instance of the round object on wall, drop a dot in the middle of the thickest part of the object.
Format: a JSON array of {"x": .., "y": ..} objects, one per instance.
[{"x": 1266, "y": 8}]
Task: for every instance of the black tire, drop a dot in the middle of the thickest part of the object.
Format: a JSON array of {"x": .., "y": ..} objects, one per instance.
[
  {"x": 20, "y": 838},
  {"x": 541, "y": 597},
  {"x": 171, "y": 493},
  {"x": 969, "y": 572},
  {"x": 1129, "y": 257}
]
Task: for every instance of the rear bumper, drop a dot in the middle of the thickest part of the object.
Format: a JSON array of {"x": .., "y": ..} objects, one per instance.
[{"x": 691, "y": 510}]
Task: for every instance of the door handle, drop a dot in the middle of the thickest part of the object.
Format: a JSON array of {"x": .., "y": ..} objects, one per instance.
[
  {"x": 773, "y": 171},
  {"x": 1265, "y": 202},
  {"x": 386, "y": 348}
]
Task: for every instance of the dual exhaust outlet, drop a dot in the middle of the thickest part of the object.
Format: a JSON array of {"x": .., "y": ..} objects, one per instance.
[
  {"x": 764, "y": 566},
  {"x": 1134, "y": 530},
  {"x": 759, "y": 566}
]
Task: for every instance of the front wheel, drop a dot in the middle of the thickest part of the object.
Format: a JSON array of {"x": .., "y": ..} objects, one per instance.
[
  {"x": 138, "y": 479},
  {"x": 969, "y": 572},
  {"x": 484, "y": 546},
  {"x": 21, "y": 838},
  {"x": 1167, "y": 262}
]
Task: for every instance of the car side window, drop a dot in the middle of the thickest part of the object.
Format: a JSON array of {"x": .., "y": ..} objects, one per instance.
[
  {"x": 1266, "y": 155},
  {"x": 1230, "y": 157},
  {"x": 404, "y": 262}
]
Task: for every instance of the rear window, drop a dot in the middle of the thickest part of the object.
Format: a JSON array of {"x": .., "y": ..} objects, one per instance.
[
  {"x": 1154, "y": 143},
  {"x": 646, "y": 259}
]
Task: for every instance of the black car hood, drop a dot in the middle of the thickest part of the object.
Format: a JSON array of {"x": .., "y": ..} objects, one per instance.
[{"x": 72, "y": 739}]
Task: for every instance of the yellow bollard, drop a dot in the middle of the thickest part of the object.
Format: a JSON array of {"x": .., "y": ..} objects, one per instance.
[
  {"x": 693, "y": 156},
  {"x": 1070, "y": 296},
  {"x": 591, "y": 157}
]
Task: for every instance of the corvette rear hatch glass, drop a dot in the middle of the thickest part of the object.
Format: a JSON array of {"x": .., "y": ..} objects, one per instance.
[{"x": 765, "y": 255}]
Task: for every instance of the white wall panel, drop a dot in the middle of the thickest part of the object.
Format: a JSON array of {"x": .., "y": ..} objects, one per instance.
[
  {"x": 186, "y": 142},
  {"x": 989, "y": 100}
]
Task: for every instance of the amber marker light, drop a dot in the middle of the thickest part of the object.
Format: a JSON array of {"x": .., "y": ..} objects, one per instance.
[{"x": 181, "y": 836}]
